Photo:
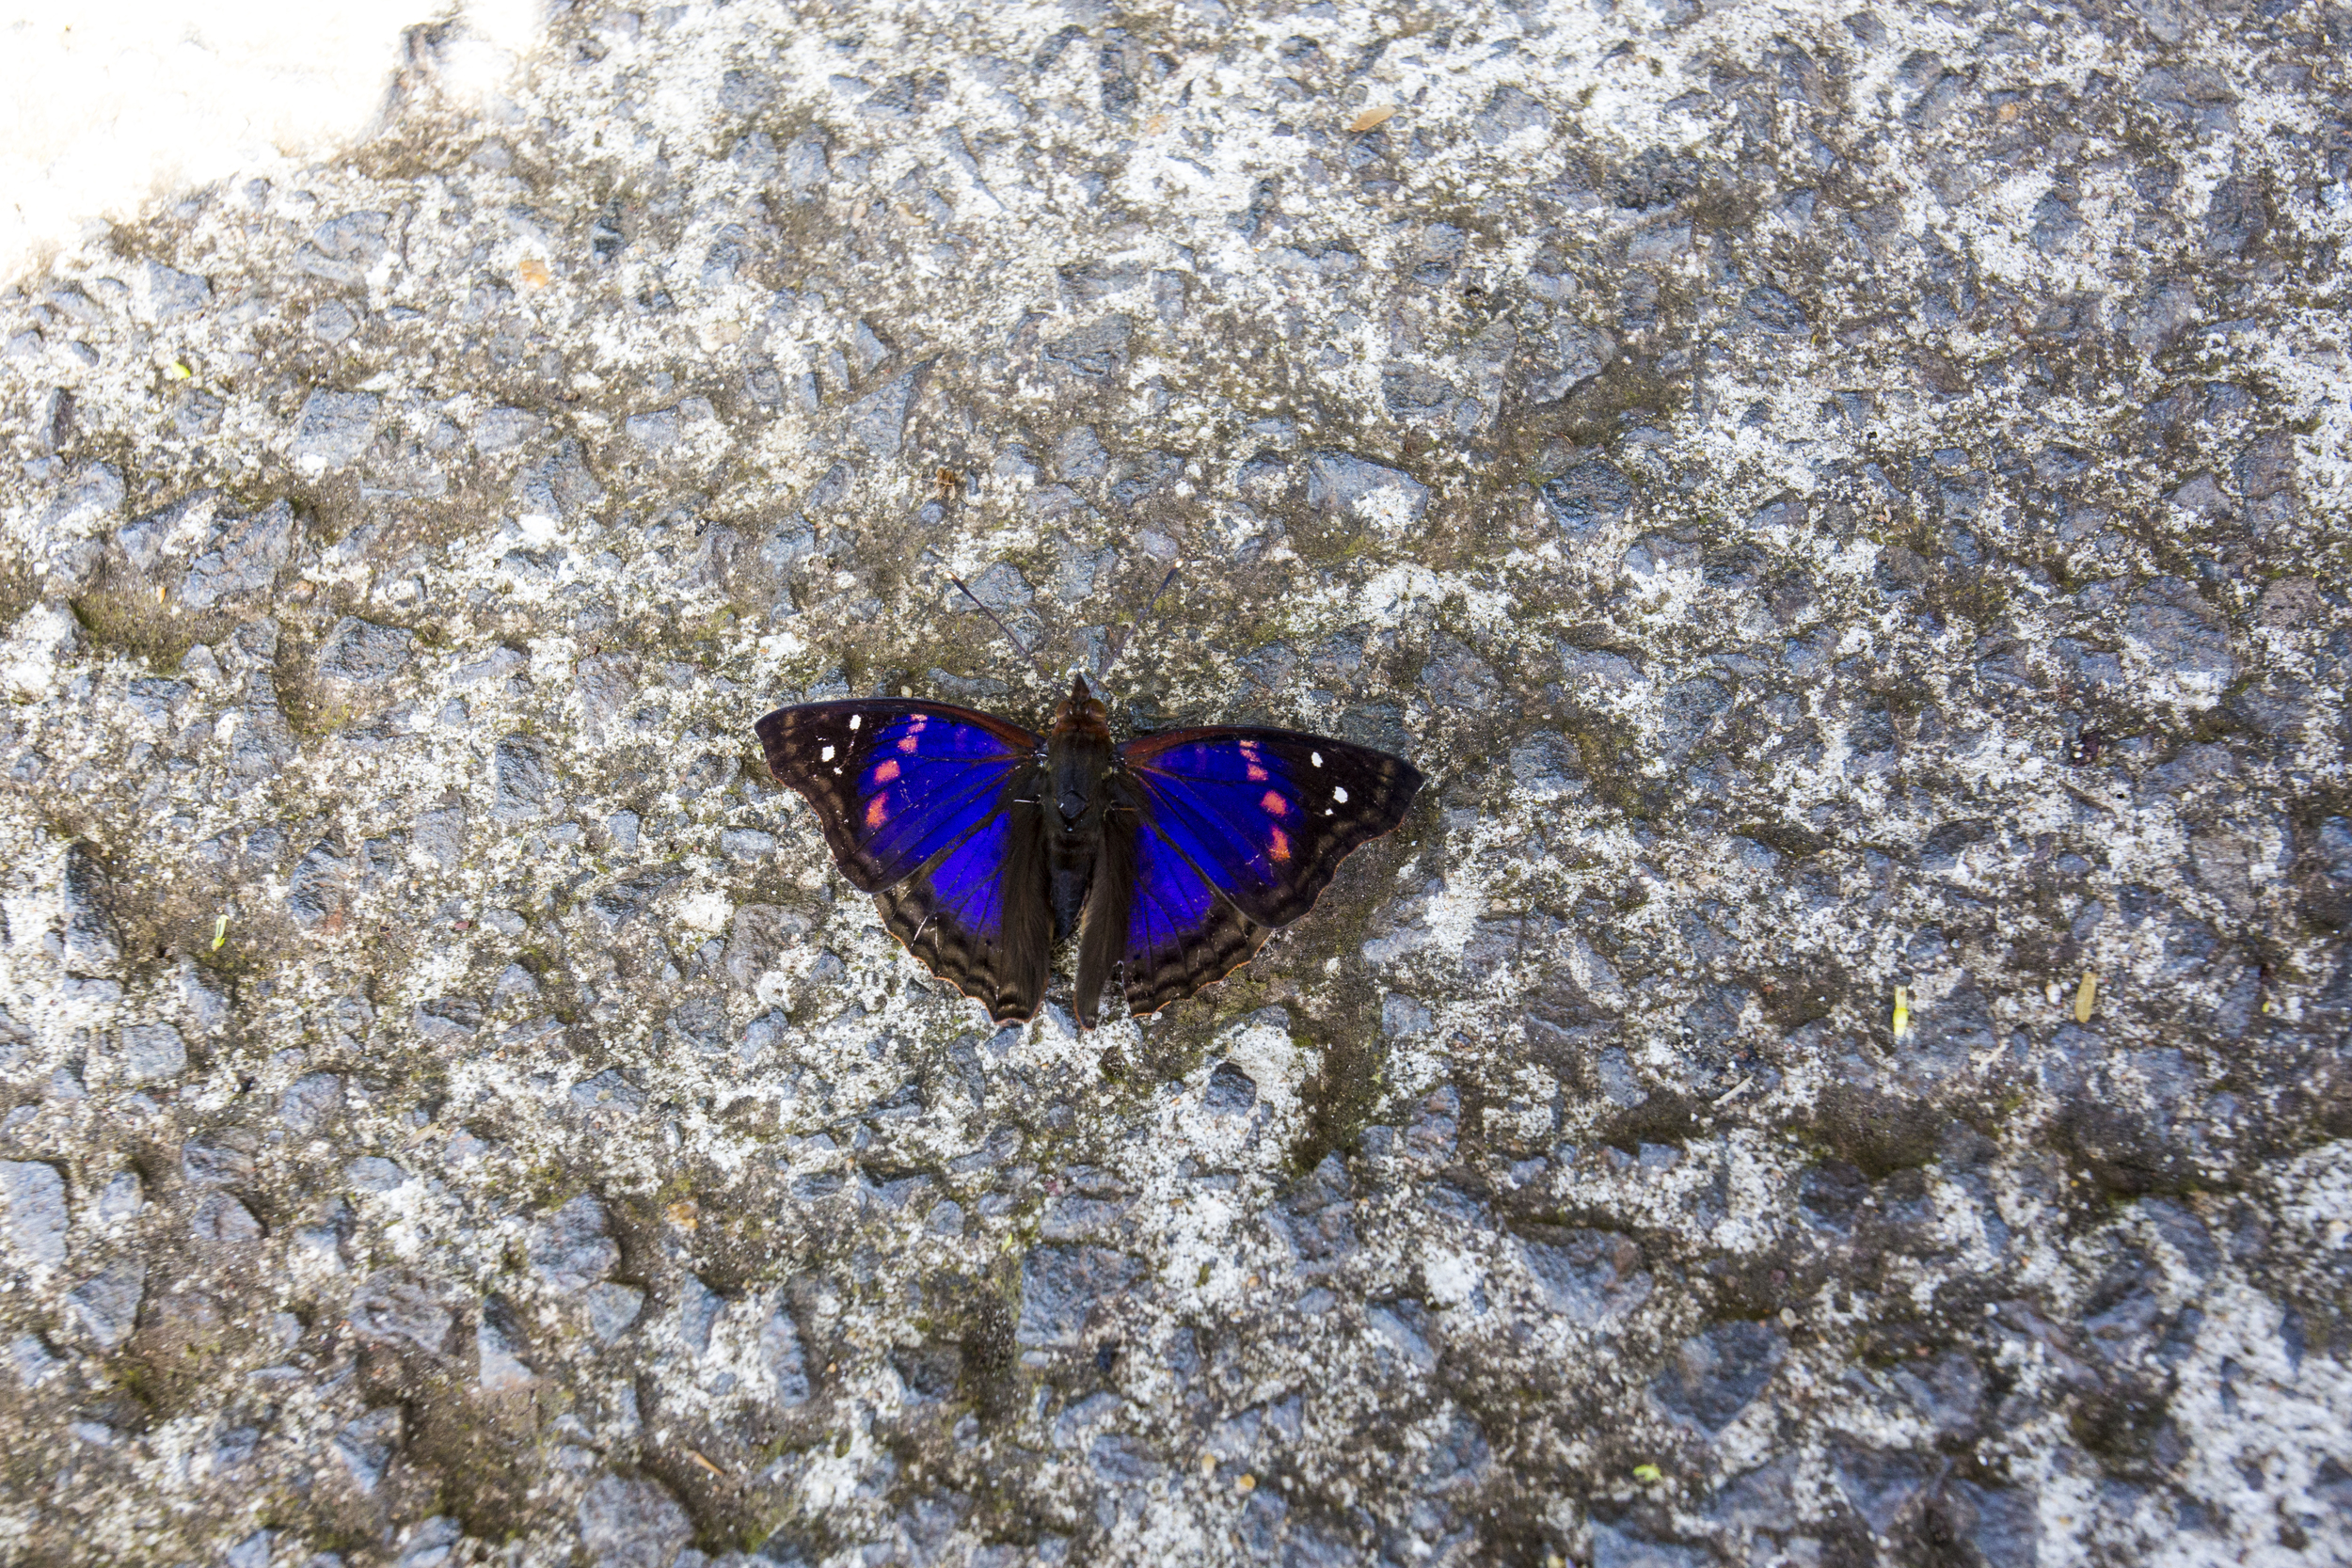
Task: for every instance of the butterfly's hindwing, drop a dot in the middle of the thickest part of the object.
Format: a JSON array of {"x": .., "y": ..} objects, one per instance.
[
  {"x": 1181, "y": 933},
  {"x": 979, "y": 917},
  {"x": 919, "y": 805}
]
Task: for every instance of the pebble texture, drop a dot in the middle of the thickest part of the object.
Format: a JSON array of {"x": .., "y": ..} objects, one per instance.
[{"x": 1846, "y": 1063}]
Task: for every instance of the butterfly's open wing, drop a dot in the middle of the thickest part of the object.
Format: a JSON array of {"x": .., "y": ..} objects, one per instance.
[
  {"x": 1237, "y": 831},
  {"x": 918, "y": 804}
]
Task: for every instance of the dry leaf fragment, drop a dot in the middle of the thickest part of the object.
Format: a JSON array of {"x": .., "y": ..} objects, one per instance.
[
  {"x": 533, "y": 272},
  {"x": 2085, "y": 997},
  {"x": 1371, "y": 119}
]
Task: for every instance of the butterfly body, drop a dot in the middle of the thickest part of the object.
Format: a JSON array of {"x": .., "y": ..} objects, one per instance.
[{"x": 1171, "y": 857}]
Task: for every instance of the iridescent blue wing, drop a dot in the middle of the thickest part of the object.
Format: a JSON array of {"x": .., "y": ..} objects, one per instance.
[
  {"x": 932, "y": 810},
  {"x": 1236, "y": 832}
]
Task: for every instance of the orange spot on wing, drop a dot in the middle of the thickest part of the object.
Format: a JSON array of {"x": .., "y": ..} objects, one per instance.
[
  {"x": 887, "y": 771},
  {"x": 877, "y": 811},
  {"x": 1257, "y": 774},
  {"x": 907, "y": 745},
  {"x": 1274, "y": 804},
  {"x": 1279, "y": 845}
]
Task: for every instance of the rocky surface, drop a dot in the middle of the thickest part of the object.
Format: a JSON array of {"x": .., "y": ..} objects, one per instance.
[{"x": 1846, "y": 1062}]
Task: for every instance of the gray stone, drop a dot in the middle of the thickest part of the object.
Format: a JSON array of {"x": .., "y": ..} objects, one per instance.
[
  {"x": 1097, "y": 349},
  {"x": 1716, "y": 1373},
  {"x": 90, "y": 501},
  {"x": 876, "y": 421},
  {"x": 1588, "y": 496},
  {"x": 366, "y": 1445},
  {"x": 500, "y": 1367},
  {"x": 122, "y": 1198},
  {"x": 1587, "y": 1276},
  {"x": 219, "y": 1221},
  {"x": 785, "y": 1361},
  {"x": 332, "y": 323},
  {"x": 1229, "y": 1091},
  {"x": 657, "y": 431},
  {"x": 572, "y": 1247},
  {"x": 446, "y": 1020},
  {"x": 221, "y": 1165},
  {"x": 430, "y": 1544},
  {"x": 1064, "y": 1288},
  {"x": 33, "y": 1360},
  {"x": 393, "y": 1306},
  {"x": 106, "y": 1305},
  {"x": 609, "y": 1090},
  {"x": 2179, "y": 633},
  {"x": 92, "y": 944},
  {"x": 746, "y": 844},
  {"x": 612, "y": 1308},
  {"x": 608, "y": 684},
  {"x": 335, "y": 428},
  {"x": 242, "y": 556},
  {"x": 32, "y": 1199},
  {"x": 372, "y": 1173},
  {"x": 1882, "y": 1486},
  {"x": 631, "y": 1524},
  {"x": 1079, "y": 457},
  {"x": 1614, "y": 1547},
  {"x": 1369, "y": 494},
  {"x": 440, "y": 836},
  {"x": 501, "y": 429},
  {"x": 316, "y": 892},
  {"x": 805, "y": 169},
  {"x": 165, "y": 294},
  {"x": 358, "y": 655},
  {"x": 699, "y": 1025},
  {"x": 311, "y": 1101},
  {"x": 522, "y": 774},
  {"x": 560, "y": 485},
  {"x": 344, "y": 249},
  {"x": 152, "y": 1052}
]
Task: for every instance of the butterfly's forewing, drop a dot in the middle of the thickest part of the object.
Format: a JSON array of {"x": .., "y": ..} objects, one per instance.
[
  {"x": 1239, "y": 831},
  {"x": 920, "y": 803}
]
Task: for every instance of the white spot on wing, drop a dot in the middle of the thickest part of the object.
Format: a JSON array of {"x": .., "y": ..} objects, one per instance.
[
  {"x": 1315, "y": 758},
  {"x": 853, "y": 720},
  {"x": 1338, "y": 793},
  {"x": 825, "y": 755}
]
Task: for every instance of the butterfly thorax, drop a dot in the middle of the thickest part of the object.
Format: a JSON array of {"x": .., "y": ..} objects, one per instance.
[
  {"x": 1078, "y": 754},
  {"x": 1078, "y": 760}
]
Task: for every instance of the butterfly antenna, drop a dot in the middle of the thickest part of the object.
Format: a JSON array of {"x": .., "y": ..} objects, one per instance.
[
  {"x": 1023, "y": 648},
  {"x": 1128, "y": 633}
]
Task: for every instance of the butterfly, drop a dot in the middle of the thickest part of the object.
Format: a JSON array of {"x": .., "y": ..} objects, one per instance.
[{"x": 1172, "y": 856}]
